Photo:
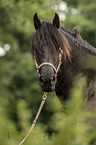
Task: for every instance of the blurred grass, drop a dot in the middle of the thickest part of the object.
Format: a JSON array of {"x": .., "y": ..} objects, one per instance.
[{"x": 69, "y": 127}]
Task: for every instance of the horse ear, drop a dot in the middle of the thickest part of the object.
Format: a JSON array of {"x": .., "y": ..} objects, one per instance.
[
  {"x": 37, "y": 22},
  {"x": 56, "y": 21}
]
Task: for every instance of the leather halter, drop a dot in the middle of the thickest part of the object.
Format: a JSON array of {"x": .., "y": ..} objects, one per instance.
[{"x": 50, "y": 64}]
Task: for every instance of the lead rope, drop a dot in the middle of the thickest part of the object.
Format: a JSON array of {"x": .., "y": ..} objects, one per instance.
[{"x": 38, "y": 113}]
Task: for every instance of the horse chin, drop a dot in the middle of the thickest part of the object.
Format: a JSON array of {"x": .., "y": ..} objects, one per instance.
[{"x": 48, "y": 89}]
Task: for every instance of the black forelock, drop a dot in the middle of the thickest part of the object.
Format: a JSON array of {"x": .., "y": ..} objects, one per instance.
[{"x": 49, "y": 35}]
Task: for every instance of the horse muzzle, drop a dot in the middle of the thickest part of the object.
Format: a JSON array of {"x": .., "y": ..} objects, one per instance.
[{"x": 47, "y": 84}]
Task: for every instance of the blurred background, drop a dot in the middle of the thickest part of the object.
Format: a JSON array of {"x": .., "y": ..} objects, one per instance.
[{"x": 20, "y": 93}]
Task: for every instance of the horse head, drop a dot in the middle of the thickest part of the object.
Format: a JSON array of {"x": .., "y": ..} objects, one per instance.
[{"x": 47, "y": 49}]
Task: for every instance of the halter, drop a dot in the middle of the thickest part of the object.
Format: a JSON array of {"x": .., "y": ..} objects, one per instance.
[{"x": 49, "y": 64}]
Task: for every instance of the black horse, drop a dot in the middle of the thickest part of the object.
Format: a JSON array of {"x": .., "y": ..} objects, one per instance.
[{"x": 59, "y": 55}]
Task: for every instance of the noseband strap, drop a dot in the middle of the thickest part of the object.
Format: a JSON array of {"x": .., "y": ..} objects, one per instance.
[
  {"x": 46, "y": 63},
  {"x": 50, "y": 64}
]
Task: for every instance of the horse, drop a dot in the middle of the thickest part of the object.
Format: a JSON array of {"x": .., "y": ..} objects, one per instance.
[{"x": 59, "y": 56}]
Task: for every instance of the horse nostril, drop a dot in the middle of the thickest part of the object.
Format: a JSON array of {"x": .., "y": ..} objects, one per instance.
[
  {"x": 41, "y": 79},
  {"x": 53, "y": 79}
]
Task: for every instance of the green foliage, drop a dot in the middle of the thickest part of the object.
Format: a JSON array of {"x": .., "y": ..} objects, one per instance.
[
  {"x": 69, "y": 125},
  {"x": 20, "y": 93},
  {"x": 84, "y": 18}
]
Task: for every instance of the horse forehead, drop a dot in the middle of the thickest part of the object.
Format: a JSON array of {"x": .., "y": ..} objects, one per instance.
[{"x": 47, "y": 50}]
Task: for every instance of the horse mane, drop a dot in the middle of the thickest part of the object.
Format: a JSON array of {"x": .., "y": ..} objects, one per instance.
[{"x": 49, "y": 35}]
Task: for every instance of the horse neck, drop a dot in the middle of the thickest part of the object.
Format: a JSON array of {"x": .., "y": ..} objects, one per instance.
[{"x": 77, "y": 41}]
